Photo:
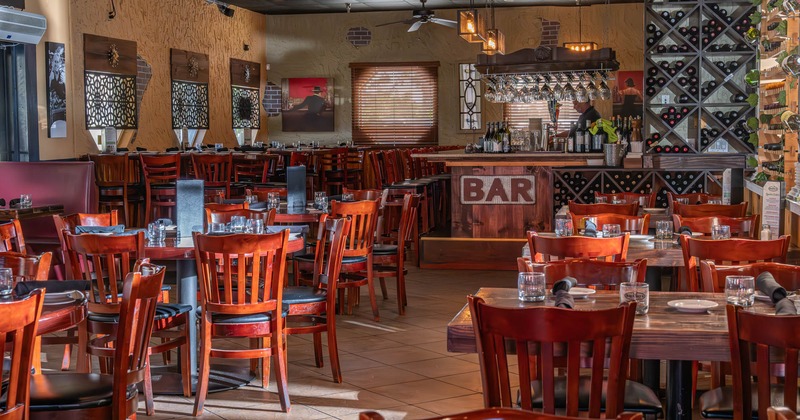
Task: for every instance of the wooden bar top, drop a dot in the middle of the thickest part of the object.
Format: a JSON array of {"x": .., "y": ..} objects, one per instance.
[
  {"x": 459, "y": 158},
  {"x": 663, "y": 334}
]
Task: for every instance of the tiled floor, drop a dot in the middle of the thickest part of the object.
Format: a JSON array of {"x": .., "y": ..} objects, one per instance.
[{"x": 398, "y": 366}]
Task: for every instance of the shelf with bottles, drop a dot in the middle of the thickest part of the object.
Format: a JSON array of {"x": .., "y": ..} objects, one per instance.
[
  {"x": 672, "y": 29},
  {"x": 673, "y": 124},
  {"x": 725, "y": 24},
  {"x": 675, "y": 77},
  {"x": 669, "y": 143}
]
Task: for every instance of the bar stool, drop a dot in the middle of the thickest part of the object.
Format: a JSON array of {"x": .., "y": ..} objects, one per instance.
[
  {"x": 160, "y": 181},
  {"x": 215, "y": 171},
  {"x": 112, "y": 177},
  {"x": 333, "y": 165}
]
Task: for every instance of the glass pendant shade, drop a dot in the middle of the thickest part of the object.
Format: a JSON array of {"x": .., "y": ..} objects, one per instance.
[
  {"x": 472, "y": 25},
  {"x": 495, "y": 42}
]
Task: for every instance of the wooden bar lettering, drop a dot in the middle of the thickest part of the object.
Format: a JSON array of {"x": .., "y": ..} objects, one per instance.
[{"x": 498, "y": 189}]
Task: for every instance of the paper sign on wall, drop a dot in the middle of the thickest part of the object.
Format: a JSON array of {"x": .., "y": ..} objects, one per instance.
[{"x": 771, "y": 205}]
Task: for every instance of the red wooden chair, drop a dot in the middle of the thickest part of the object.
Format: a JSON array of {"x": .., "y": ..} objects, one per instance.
[
  {"x": 314, "y": 308},
  {"x": 112, "y": 177},
  {"x": 263, "y": 192},
  {"x": 549, "y": 248},
  {"x": 596, "y": 274},
  {"x": 390, "y": 259},
  {"x": 215, "y": 171},
  {"x": 161, "y": 173},
  {"x": 11, "y": 237},
  {"x": 636, "y": 225},
  {"x": 701, "y": 210},
  {"x": 254, "y": 168},
  {"x": 241, "y": 278},
  {"x": 498, "y": 414},
  {"x": 743, "y": 227},
  {"x": 27, "y": 266},
  {"x": 213, "y": 216},
  {"x": 19, "y": 320},
  {"x": 713, "y": 276},
  {"x": 644, "y": 200},
  {"x": 691, "y": 198},
  {"x": 68, "y": 223},
  {"x": 780, "y": 413},
  {"x": 606, "y": 332},
  {"x": 631, "y": 209}
]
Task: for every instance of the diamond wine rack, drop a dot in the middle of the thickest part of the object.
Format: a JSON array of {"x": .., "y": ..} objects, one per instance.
[{"x": 696, "y": 59}]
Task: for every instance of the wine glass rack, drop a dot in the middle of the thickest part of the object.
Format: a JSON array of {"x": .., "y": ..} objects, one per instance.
[
  {"x": 777, "y": 151},
  {"x": 696, "y": 58}
]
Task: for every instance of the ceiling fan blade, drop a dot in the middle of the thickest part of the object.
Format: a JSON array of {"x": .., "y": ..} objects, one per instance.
[
  {"x": 415, "y": 26},
  {"x": 444, "y": 22},
  {"x": 407, "y": 22}
]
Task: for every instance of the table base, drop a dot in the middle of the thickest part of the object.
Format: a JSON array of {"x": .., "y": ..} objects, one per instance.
[
  {"x": 679, "y": 390},
  {"x": 167, "y": 379}
]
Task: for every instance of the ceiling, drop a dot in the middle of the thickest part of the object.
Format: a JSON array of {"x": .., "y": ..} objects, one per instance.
[{"x": 289, "y": 7}]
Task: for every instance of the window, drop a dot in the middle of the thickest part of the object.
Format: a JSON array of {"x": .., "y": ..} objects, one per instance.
[
  {"x": 395, "y": 103},
  {"x": 519, "y": 114},
  {"x": 469, "y": 97}
]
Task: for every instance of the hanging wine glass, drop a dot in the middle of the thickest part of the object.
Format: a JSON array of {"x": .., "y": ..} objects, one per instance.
[
  {"x": 490, "y": 95},
  {"x": 569, "y": 93},
  {"x": 581, "y": 94},
  {"x": 604, "y": 91},
  {"x": 558, "y": 92},
  {"x": 536, "y": 94},
  {"x": 547, "y": 93},
  {"x": 592, "y": 89}
]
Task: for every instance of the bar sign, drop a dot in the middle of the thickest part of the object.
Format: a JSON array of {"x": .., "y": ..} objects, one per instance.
[{"x": 498, "y": 189}]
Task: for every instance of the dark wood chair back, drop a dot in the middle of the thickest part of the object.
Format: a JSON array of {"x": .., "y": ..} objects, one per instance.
[
  {"x": 692, "y": 198},
  {"x": 758, "y": 342},
  {"x": 408, "y": 217},
  {"x": 549, "y": 248},
  {"x": 636, "y": 225},
  {"x": 160, "y": 169},
  {"x": 780, "y": 413},
  {"x": 69, "y": 222},
  {"x": 713, "y": 276},
  {"x": 743, "y": 227},
  {"x": 603, "y": 275},
  {"x": 11, "y": 237},
  {"x": 263, "y": 192},
  {"x": 111, "y": 170},
  {"x": 701, "y": 210},
  {"x": 328, "y": 258},
  {"x": 27, "y": 266},
  {"x": 644, "y": 200},
  {"x": 226, "y": 207},
  {"x": 363, "y": 221},
  {"x": 254, "y": 168},
  {"x": 19, "y": 320},
  {"x": 734, "y": 251},
  {"x": 213, "y": 216},
  {"x": 214, "y": 170},
  {"x": 360, "y": 195},
  {"x": 500, "y": 414},
  {"x": 631, "y": 209},
  {"x": 375, "y": 159},
  {"x": 537, "y": 330}
]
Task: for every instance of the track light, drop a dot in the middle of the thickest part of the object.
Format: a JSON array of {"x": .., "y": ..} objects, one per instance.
[{"x": 224, "y": 8}]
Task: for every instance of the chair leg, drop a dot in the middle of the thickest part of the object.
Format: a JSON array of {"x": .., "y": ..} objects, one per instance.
[
  {"x": 37, "y": 355},
  {"x": 333, "y": 349},
  {"x": 265, "y": 343},
  {"x": 279, "y": 358},
  {"x": 370, "y": 284},
  {"x": 148, "y": 390},
  {"x": 383, "y": 288},
  {"x": 186, "y": 367},
  {"x": 401, "y": 290},
  {"x": 83, "y": 365},
  {"x": 254, "y": 344},
  {"x": 341, "y": 299},
  {"x": 205, "y": 367},
  {"x": 65, "y": 359},
  {"x": 318, "y": 349}
]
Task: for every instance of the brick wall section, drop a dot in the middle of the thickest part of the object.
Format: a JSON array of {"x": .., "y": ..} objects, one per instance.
[
  {"x": 359, "y": 36},
  {"x": 550, "y": 30},
  {"x": 143, "y": 74},
  {"x": 272, "y": 99}
]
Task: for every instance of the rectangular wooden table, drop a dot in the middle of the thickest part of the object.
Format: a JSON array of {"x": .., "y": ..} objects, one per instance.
[
  {"x": 662, "y": 334},
  {"x": 11, "y": 213}
]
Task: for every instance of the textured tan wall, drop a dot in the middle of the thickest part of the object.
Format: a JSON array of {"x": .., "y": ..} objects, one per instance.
[
  {"x": 156, "y": 27},
  {"x": 315, "y": 45}
]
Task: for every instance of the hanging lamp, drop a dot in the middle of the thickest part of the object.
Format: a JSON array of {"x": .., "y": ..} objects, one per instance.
[
  {"x": 495, "y": 42},
  {"x": 472, "y": 24},
  {"x": 581, "y": 45}
]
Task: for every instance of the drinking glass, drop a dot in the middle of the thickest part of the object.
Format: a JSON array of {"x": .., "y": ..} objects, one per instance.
[
  {"x": 740, "y": 290},
  {"x": 250, "y": 198},
  {"x": 25, "y": 200},
  {"x": 720, "y": 232},
  {"x": 531, "y": 287},
  {"x": 217, "y": 228},
  {"x": 156, "y": 232},
  {"x": 348, "y": 197},
  {"x": 714, "y": 201},
  {"x": 611, "y": 231},
  {"x": 563, "y": 227},
  {"x": 601, "y": 200},
  {"x": 319, "y": 196},
  {"x": 638, "y": 292},
  {"x": 663, "y": 229},
  {"x": 6, "y": 281},
  {"x": 682, "y": 200},
  {"x": 254, "y": 226},
  {"x": 617, "y": 201},
  {"x": 237, "y": 223}
]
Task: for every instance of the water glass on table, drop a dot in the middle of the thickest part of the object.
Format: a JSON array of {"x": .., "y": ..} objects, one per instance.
[
  {"x": 237, "y": 224},
  {"x": 25, "y": 201},
  {"x": 563, "y": 227},
  {"x": 156, "y": 232},
  {"x": 250, "y": 199},
  {"x": 663, "y": 229},
  {"x": 273, "y": 200},
  {"x": 611, "y": 230},
  {"x": 531, "y": 287},
  {"x": 217, "y": 228},
  {"x": 254, "y": 226},
  {"x": 715, "y": 201},
  {"x": 600, "y": 200},
  {"x": 682, "y": 200},
  {"x": 321, "y": 201},
  {"x": 740, "y": 290},
  {"x": 348, "y": 197},
  {"x": 6, "y": 281},
  {"x": 720, "y": 232},
  {"x": 638, "y": 292},
  {"x": 617, "y": 201}
]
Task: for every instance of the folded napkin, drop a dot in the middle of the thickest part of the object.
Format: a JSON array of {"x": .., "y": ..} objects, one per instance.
[
  {"x": 100, "y": 229},
  {"x": 590, "y": 229},
  {"x": 23, "y": 288},
  {"x": 766, "y": 284},
  {"x": 259, "y": 205},
  {"x": 561, "y": 292},
  {"x": 233, "y": 201},
  {"x": 684, "y": 230},
  {"x": 302, "y": 229}
]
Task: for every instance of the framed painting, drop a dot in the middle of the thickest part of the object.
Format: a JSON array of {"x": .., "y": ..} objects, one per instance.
[
  {"x": 307, "y": 104},
  {"x": 628, "y": 100},
  {"x": 56, "y": 90}
]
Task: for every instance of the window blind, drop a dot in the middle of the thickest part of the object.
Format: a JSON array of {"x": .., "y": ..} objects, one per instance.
[
  {"x": 395, "y": 103},
  {"x": 518, "y": 114}
]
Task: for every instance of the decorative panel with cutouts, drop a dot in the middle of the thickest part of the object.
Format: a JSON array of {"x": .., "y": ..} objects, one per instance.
[
  {"x": 245, "y": 81},
  {"x": 189, "y": 72},
  {"x": 110, "y": 69}
]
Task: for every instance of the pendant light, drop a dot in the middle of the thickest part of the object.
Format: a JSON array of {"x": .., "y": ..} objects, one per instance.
[
  {"x": 581, "y": 46},
  {"x": 495, "y": 42},
  {"x": 472, "y": 24}
]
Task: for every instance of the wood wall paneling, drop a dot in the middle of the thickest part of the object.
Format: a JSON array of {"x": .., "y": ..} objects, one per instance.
[
  {"x": 239, "y": 70},
  {"x": 96, "y": 50},
  {"x": 180, "y": 66}
]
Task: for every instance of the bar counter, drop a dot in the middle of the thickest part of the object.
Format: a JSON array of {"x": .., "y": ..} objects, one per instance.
[{"x": 459, "y": 158}]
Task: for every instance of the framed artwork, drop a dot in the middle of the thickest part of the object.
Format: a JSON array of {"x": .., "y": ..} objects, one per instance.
[
  {"x": 56, "y": 90},
  {"x": 627, "y": 93},
  {"x": 307, "y": 104},
  {"x": 245, "y": 97}
]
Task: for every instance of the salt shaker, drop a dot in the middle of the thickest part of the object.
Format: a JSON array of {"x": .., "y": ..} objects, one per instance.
[{"x": 766, "y": 233}]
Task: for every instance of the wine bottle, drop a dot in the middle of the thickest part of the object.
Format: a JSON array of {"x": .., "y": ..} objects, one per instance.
[{"x": 571, "y": 140}]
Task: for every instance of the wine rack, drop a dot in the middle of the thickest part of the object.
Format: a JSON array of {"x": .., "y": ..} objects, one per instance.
[
  {"x": 778, "y": 92},
  {"x": 580, "y": 185},
  {"x": 696, "y": 59}
]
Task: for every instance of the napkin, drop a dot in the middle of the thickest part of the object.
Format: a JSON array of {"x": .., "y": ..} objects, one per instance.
[
  {"x": 590, "y": 229},
  {"x": 561, "y": 292},
  {"x": 100, "y": 229},
  {"x": 767, "y": 285},
  {"x": 23, "y": 288}
]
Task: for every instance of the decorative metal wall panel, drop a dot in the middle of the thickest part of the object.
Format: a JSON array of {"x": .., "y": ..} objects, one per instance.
[
  {"x": 189, "y": 105},
  {"x": 110, "y": 101},
  {"x": 246, "y": 112}
]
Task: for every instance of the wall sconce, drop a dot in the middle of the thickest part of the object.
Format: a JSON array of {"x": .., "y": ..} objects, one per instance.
[
  {"x": 495, "y": 42},
  {"x": 581, "y": 46},
  {"x": 472, "y": 25}
]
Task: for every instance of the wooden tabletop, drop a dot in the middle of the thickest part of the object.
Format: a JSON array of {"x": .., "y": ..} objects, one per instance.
[
  {"x": 662, "y": 334},
  {"x": 12, "y": 213},
  {"x": 183, "y": 248}
]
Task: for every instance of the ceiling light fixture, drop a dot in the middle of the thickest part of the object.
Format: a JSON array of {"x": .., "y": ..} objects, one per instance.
[
  {"x": 495, "y": 42},
  {"x": 472, "y": 24},
  {"x": 581, "y": 45},
  {"x": 223, "y": 7}
]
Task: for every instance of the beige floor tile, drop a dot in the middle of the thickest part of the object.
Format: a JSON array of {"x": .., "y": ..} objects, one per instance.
[
  {"x": 400, "y": 413},
  {"x": 400, "y": 354},
  {"x": 454, "y": 405},
  {"x": 469, "y": 380},
  {"x": 379, "y": 376},
  {"x": 351, "y": 402},
  {"x": 421, "y": 391},
  {"x": 419, "y": 336},
  {"x": 438, "y": 347},
  {"x": 435, "y": 368}
]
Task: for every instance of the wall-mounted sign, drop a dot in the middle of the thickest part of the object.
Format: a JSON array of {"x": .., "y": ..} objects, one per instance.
[{"x": 498, "y": 189}]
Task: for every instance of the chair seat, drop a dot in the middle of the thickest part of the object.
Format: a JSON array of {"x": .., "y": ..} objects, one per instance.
[
  {"x": 638, "y": 397},
  {"x": 240, "y": 319},
  {"x": 162, "y": 186},
  {"x": 71, "y": 391},
  {"x": 353, "y": 260},
  {"x": 163, "y": 311},
  {"x": 301, "y": 294},
  {"x": 384, "y": 249},
  {"x": 718, "y": 403}
]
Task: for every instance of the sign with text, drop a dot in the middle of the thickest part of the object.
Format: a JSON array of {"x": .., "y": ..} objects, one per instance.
[{"x": 498, "y": 189}]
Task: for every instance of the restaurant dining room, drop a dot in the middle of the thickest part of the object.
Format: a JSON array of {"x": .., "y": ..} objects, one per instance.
[{"x": 400, "y": 209}]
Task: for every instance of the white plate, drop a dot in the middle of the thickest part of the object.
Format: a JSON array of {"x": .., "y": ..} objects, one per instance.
[
  {"x": 694, "y": 306},
  {"x": 63, "y": 297},
  {"x": 581, "y": 292}
]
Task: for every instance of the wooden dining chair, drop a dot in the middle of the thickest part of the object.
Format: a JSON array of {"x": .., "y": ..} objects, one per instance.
[
  {"x": 241, "y": 289},
  {"x": 19, "y": 321},
  {"x": 757, "y": 342},
  {"x": 111, "y": 175},
  {"x": 112, "y": 395},
  {"x": 636, "y": 225},
  {"x": 603, "y": 275},
  {"x": 549, "y": 248},
  {"x": 215, "y": 171},
  {"x": 27, "y": 266},
  {"x": 389, "y": 259},
  {"x": 226, "y": 207},
  {"x": 333, "y": 166},
  {"x": 735, "y": 251},
  {"x": 498, "y": 414},
  {"x": 713, "y": 275},
  {"x": 214, "y": 216},
  {"x": 11, "y": 237},
  {"x": 105, "y": 261},
  {"x": 742, "y": 227},
  {"x": 253, "y": 168},
  {"x": 606, "y": 332},
  {"x": 161, "y": 174},
  {"x": 263, "y": 192},
  {"x": 691, "y": 198},
  {"x": 701, "y": 210},
  {"x": 68, "y": 223},
  {"x": 644, "y": 200},
  {"x": 631, "y": 209},
  {"x": 780, "y": 413},
  {"x": 312, "y": 309}
]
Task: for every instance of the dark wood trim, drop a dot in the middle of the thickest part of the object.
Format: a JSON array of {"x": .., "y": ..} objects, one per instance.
[
  {"x": 393, "y": 64},
  {"x": 238, "y": 70},
  {"x": 179, "y": 66},
  {"x": 96, "y": 55}
]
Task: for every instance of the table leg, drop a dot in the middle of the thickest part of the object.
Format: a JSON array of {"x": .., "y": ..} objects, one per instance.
[
  {"x": 651, "y": 375},
  {"x": 187, "y": 294},
  {"x": 679, "y": 390},
  {"x": 653, "y": 278}
]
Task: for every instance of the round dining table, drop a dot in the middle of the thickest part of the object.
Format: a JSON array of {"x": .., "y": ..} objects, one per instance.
[{"x": 61, "y": 315}]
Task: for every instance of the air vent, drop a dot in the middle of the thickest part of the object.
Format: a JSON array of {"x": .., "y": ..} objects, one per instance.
[{"x": 19, "y": 26}]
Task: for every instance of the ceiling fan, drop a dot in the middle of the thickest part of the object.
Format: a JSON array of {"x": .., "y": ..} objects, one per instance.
[{"x": 421, "y": 16}]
